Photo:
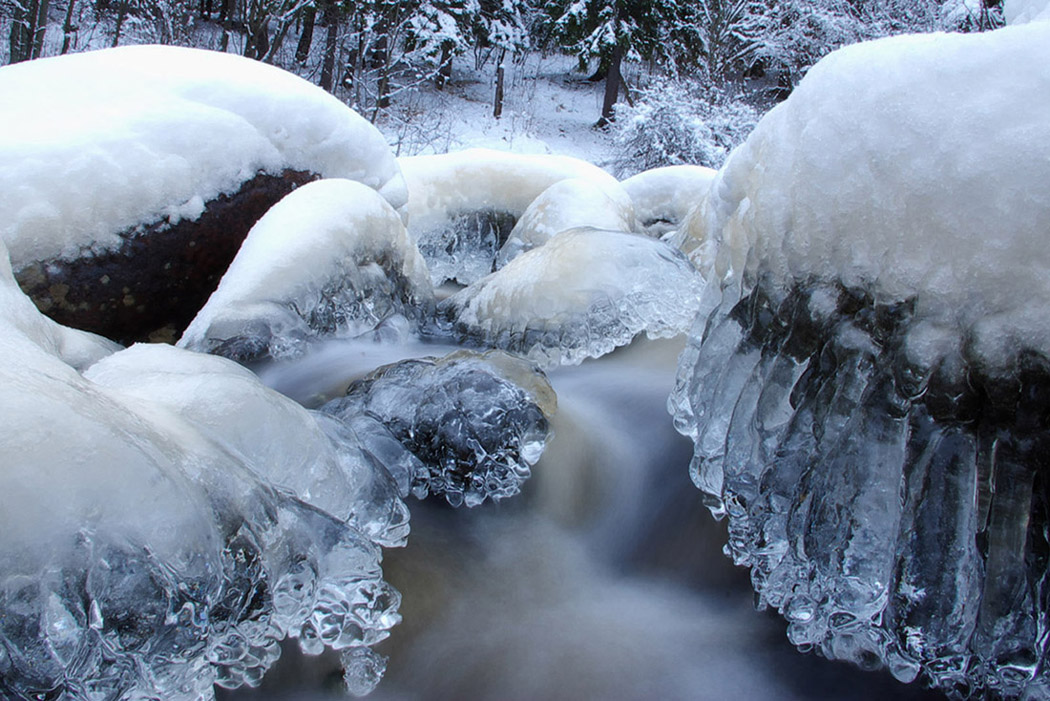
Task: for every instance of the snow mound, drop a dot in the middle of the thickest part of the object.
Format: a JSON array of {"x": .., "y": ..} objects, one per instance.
[
  {"x": 95, "y": 144},
  {"x": 462, "y": 205},
  {"x": 934, "y": 191},
  {"x": 663, "y": 197},
  {"x": 467, "y": 427},
  {"x": 568, "y": 204},
  {"x": 330, "y": 258},
  {"x": 1022, "y": 11},
  {"x": 866, "y": 384},
  {"x": 582, "y": 294}
]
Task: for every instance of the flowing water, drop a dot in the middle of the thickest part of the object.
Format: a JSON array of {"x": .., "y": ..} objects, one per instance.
[{"x": 603, "y": 580}]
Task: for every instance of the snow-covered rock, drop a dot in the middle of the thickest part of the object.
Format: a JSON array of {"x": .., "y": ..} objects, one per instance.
[
  {"x": 934, "y": 191},
  {"x": 331, "y": 258},
  {"x": 866, "y": 386},
  {"x": 582, "y": 294},
  {"x": 462, "y": 205},
  {"x": 663, "y": 197},
  {"x": 101, "y": 150},
  {"x": 568, "y": 204},
  {"x": 142, "y": 554},
  {"x": 1022, "y": 11}
]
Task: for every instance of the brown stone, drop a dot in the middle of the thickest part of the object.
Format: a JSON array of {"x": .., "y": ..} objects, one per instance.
[{"x": 162, "y": 273}]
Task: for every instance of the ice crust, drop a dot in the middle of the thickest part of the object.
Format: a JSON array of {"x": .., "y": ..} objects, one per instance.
[
  {"x": 462, "y": 205},
  {"x": 467, "y": 427},
  {"x": 866, "y": 383},
  {"x": 568, "y": 204},
  {"x": 95, "y": 144},
  {"x": 663, "y": 197},
  {"x": 331, "y": 258},
  {"x": 582, "y": 294}
]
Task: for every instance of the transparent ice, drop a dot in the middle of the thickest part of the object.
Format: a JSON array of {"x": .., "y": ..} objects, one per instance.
[
  {"x": 580, "y": 295},
  {"x": 463, "y": 205},
  {"x": 331, "y": 258},
  {"x": 866, "y": 384},
  {"x": 467, "y": 427}
]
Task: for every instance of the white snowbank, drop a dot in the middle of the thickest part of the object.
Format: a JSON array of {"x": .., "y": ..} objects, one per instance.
[
  {"x": 446, "y": 193},
  {"x": 663, "y": 197},
  {"x": 568, "y": 204},
  {"x": 1022, "y": 11},
  {"x": 914, "y": 166},
  {"x": 93, "y": 144},
  {"x": 329, "y": 239}
]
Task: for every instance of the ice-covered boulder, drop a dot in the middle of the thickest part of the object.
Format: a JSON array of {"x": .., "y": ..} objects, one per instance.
[
  {"x": 463, "y": 205},
  {"x": 302, "y": 452},
  {"x": 582, "y": 294},
  {"x": 866, "y": 387},
  {"x": 132, "y": 174},
  {"x": 568, "y": 204},
  {"x": 467, "y": 427},
  {"x": 663, "y": 197},
  {"x": 331, "y": 258}
]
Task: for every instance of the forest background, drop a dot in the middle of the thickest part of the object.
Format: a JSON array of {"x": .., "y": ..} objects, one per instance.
[{"x": 628, "y": 84}]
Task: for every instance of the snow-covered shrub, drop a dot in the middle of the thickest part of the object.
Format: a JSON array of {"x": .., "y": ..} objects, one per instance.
[{"x": 675, "y": 122}]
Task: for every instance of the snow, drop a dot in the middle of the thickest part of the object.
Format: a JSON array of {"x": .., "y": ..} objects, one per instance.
[
  {"x": 663, "y": 197},
  {"x": 583, "y": 293},
  {"x": 862, "y": 386},
  {"x": 331, "y": 257},
  {"x": 448, "y": 192},
  {"x": 1022, "y": 11},
  {"x": 914, "y": 167},
  {"x": 97, "y": 143},
  {"x": 569, "y": 204}
]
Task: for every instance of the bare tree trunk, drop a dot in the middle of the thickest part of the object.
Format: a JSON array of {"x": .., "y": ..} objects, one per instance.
[
  {"x": 612, "y": 86},
  {"x": 497, "y": 108},
  {"x": 306, "y": 39},
  {"x": 122, "y": 12},
  {"x": 226, "y": 20},
  {"x": 68, "y": 28},
  {"x": 444, "y": 74},
  {"x": 331, "y": 41}
]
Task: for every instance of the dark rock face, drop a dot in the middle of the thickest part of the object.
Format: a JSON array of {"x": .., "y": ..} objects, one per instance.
[{"x": 153, "y": 285}]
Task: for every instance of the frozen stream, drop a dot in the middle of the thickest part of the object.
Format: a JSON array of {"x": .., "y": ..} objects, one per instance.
[{"x": 605, "y": 579}]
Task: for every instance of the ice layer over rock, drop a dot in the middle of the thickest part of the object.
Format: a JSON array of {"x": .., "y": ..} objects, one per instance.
[
  {"x": 97, "y": 143},
  {"x": 468, "y": 426},
  {"x": 463, "y": 205},
  {"x": 662, "y": 197},
  {"x": 331, "y": 258},
  {"x": 141, "y": 557},
  {"x": 867, "y": 383},
  {"x": 580, "y": 295},
  {"x": 568, "y": 204}
]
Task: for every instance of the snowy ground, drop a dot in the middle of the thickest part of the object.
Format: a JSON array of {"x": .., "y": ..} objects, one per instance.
[{"x": 549, "y": 108}]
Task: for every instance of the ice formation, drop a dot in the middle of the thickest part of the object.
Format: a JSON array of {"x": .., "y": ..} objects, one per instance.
[
  {"x": 462, "y": 206},
  {"x": 331, "y": 258},
  {"x": 662, "y": 197},
  {"x": 568, "y": 204},
  {"x": 140, "y": 555},
  {"x": 95, "y": 144},
  {"x": 582, "y": 294},
  {"x": 866, "y": 387},
  {"x": 468, "y": 426}
]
